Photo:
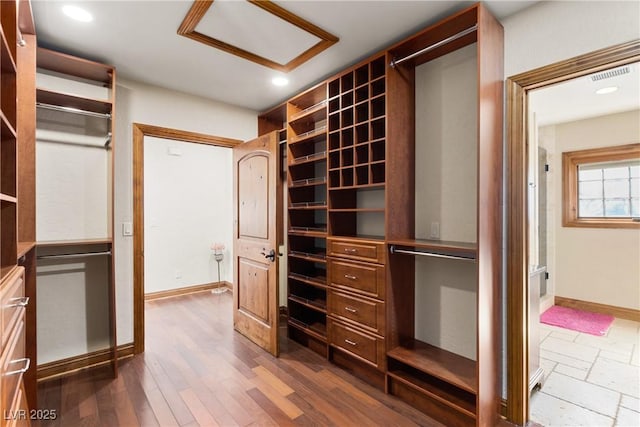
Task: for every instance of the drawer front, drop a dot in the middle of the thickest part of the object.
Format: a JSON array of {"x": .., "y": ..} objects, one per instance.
[
  {"x": 19, "y": 414},
  {"x": 365, "y": 278},
  {"x": 12, "y": 303},
  {"x": 359, "y": 250},
  {"x": 356, "y": 343},
  {"x": 12, "y": 364},
  {"x": 367, "y": 313}
]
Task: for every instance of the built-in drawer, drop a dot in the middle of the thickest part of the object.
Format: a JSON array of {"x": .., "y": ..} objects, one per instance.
[
  {"x": 368, "y": 279},
  {"x": 356, "y": 343},
  {"x": 360, "y": 250},
  {"x": 363, "y": 312},
  {"x": 13, "y": 364},
  {"x": 19, "y": 415},
  {"x": 12, "y": 303}
]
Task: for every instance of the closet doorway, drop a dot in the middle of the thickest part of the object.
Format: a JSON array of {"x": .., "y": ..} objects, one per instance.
[
  {"x": 519, "y": 209},
  {"x": 140, "y": 131}
]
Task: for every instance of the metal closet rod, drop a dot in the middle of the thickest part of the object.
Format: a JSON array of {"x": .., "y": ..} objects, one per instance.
[
  {"x": 74, "y": 255},
  {"x": 72, "y": 110},
  {"x": 454, "y": 37},
  {"x": 393, "y": 250}
]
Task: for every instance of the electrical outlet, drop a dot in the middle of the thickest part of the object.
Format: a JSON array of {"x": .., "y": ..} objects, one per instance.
[{"x": 435, "y": 230}]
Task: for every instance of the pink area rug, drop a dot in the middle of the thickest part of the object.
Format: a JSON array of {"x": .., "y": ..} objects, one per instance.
[{"x": 577, "y": 320}]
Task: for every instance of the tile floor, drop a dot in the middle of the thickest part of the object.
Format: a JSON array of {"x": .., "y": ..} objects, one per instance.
[{"x": 589, "y": 380}]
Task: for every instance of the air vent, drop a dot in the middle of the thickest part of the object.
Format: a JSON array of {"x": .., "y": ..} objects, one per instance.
[{"x": 610, "y": 73}]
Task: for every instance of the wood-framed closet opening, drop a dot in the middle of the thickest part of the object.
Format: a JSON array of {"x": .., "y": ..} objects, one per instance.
[
  {"x": 517, "y": 282},
  {"x": 139, "y": 132}
]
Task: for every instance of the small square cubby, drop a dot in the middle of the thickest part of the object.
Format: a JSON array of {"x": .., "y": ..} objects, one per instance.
[
  {"x": 334, "y": 88},
  {"x": 377, "y": 107},
  {"x": 347, "y": 177},
  {"x": 377, "y": 129},
  {"x": 362, "y": 154},
  {"x": 346, "y": 82},
  {"x": 334, "y": 140},
  {"x": 362, "y": 133},
  {"x": 346, "y": 155},
  {"x": 362, "y": 175},
  {"x": 362, "y": 75},
  {"x": 362, "y": 94},
  {"x": 347, "y": 137}
]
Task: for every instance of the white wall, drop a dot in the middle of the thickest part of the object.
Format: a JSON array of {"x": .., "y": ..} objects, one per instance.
[
  {"x": 553, "y": 31},
  {"x": 140, "y": 103},
  {"x": 188, "y": 205},
  {"x": 594, "y": 264}
]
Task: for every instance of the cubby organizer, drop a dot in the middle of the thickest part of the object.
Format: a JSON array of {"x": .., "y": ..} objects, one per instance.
[{"x": 357, "y": 150}]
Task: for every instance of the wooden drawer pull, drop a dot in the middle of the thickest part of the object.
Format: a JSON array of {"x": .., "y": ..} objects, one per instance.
[
  {"x": 27, "y": 364},
  {"x": 350, "y": 277},
  {"x": 351, "y": 342},
  {"x": 18, "y": 302},
  {"x": 351, "y": 250},
  {"x": 351, "y": 309}
]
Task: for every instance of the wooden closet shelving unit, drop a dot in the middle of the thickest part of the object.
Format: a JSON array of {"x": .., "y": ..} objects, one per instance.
[
  {"x": 100, "y": 75},
  {"x": 307, "y": 217},
  {"x": 17, "y": 267},
  {"x": 363, "y": 313}
]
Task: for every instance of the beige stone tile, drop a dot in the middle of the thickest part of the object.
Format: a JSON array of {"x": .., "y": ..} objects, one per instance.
[
  {"x": 635, "y": 357},
  {"x": 544, "y": 334},
  {"x": 618, "y": 357},
  {"x": 571, "y": 349},
  {"x": 627, "y": 418},
  {"x": 547, "y": 366},
  {"x": 580, "y": 374},
  {"x": 596, "y": 398},
  {"x": 613, "y": 345},
  {"x": 617, "y": 376},
  {"x": 565, "y": 360},
  {"x": 624, "y": 333},
  {"x": 630, "y": 403},
  {"x": 553, "y": 412}
]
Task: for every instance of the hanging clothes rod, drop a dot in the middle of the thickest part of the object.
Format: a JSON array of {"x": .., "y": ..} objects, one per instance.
[
  {"x": 393, "y": 250},
  {"x": 454, "y": 37},
  {"x": 75, "y": 255},
  {"x": 72, "y": 110}
]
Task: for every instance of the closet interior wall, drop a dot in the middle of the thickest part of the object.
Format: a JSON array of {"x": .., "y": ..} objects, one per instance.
[
  {"x": 75, "y": 101},
  {"x": 395, "y": 217}
]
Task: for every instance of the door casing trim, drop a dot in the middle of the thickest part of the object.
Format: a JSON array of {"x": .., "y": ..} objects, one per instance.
[{"x": 139, "y": 132}]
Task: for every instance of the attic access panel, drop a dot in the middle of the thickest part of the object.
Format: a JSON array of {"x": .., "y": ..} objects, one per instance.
[{"x": 307, "y": 32}]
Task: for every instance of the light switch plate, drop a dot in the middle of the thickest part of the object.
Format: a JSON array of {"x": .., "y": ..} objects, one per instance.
[{"x": 127, "y": 229}]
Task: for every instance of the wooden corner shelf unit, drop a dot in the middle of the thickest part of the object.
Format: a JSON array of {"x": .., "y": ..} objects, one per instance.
[{"x": 358, "y": 260}]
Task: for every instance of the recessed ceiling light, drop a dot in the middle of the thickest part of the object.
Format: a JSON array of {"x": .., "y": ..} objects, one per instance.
[
  {"x": 608, "y": 89},
  {"x": 280, "y": 81},
  {"x": 77, "y": 13}
]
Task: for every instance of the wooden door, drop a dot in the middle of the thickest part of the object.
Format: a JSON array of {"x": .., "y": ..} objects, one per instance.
[{"x": 255, "y": 268}]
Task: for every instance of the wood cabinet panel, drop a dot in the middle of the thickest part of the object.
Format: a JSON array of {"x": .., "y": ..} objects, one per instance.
[
  {"x": 364, "y": 346},
  {"x": 368, "y": 279},
  {"x": 365, "y": 250},
  {"x": 12, "y": 365},
  {"x": 365, "y": 313},
  {"x": 12, "y": 303}
]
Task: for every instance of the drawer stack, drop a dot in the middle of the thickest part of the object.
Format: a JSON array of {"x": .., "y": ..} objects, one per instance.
[
  {"x": 356, "y": 300},
  {"x": 13, "y": 363}
]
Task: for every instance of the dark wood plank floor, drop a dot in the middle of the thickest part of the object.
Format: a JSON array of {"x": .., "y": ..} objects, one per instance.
[{"x": 197, "y": 371}]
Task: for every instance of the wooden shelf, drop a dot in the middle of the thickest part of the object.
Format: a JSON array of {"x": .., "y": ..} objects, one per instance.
[
  {"x": 7, "y": 60},
  {"x": 308, "y": 256},
  {"x": 451, "y": 400},
  {"x": 24, "y": 247},
  {"x": 308, "y": 208},
  {"x": 308, "y": 182},
  {"x": 374, "y": 186},
  {"x": 72, "y": 101},
  {"x": 309, "y": 233},
  {"x": 307, "y": 136},
  {"x": 359, "y": 210},
  {"x": 8, "y": 198},
  {"x": 442, "y": 364},
  {"x": 311, "y": 114},
  {"x": 318, "y": 305},
  {"x": 8, "y": 130},
  {"x": 73, "y": 66},
  {"x": 319, "y": 282},
  {"x": 463, "y": 249},
  {"x": 63, "y": 243},
  {"x": 316, "y": 330},
  {"x": 315, "y": 157}
]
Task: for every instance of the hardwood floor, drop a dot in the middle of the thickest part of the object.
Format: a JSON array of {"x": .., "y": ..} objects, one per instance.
[{"x": 197, "y": 371}]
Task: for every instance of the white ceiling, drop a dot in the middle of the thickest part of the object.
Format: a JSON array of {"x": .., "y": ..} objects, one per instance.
[
  {"x": 139, "y": 38},
  {"x": 577, "y": 99}
]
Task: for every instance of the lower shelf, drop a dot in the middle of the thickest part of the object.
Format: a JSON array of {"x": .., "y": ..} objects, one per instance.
[{"x": 317, "y": 330}]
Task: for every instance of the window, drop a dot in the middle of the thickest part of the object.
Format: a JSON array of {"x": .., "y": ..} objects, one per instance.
[{"x": 602, "y": 187}]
